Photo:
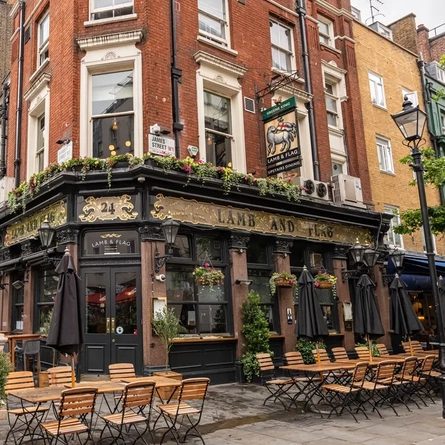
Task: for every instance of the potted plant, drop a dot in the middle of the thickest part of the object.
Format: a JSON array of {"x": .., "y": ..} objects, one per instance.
[
  {"x": 281, "y": 279},
  {"x": 207, "y": 275},
  {"x": 256, "y": 334},
  {"x": 5, "y": 369},
  {"x": 323, "y": 280}
]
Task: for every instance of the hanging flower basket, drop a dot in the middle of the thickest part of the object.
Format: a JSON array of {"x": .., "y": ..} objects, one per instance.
[
  {"x": 281, "y": 279},
  {"x": 206, "y": 275},
  {"x": 324, "y": 285},
  {"x": 283, "y": 282},
  {"x": 323, "y": 280}
]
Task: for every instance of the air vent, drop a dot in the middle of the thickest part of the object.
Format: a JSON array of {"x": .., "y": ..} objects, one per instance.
[{"x": 249, "y": 105}]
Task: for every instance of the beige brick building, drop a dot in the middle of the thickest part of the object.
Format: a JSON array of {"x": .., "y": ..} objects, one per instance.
[{"x": 388, "y": 72}]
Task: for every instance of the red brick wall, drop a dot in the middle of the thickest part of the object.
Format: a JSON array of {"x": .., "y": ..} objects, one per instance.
[{"x": 404, "y": 32}]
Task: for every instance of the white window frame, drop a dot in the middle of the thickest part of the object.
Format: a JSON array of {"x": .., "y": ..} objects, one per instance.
[
  {"x": 221, "y": 77},
  {"x": 442, "y": 120},
  {"x": 290, "y": 53},
  {"x": 412, "y": 96},
  {"x": 422, "y": 232},
  {"x": 98, "y": 60},
  {"x": 42, "y": 47},
  {"x": 335, "y": 97},
  {"x": 225, "y": 40},
  {"x": 113, "y": 8},
  {"x": 384, "y": 152},
  {"x": 395, "y": 221},
  {"x": 377, "y": 89},
  {"x": 326, "y": 38},
  {"x": 40, "y": 143}
]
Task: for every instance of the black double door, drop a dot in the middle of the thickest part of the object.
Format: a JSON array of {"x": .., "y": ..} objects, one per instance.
[{"x": 112, "y": 318}]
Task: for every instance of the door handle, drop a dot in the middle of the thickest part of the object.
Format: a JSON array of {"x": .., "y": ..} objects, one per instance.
[
  {"x": 108, "y": 325},
  {"x": 112, "y": 325}
]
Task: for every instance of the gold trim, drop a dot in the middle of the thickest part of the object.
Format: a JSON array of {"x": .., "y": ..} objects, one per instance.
[
  {"x": 110, "y": 235},
  {"x": 108, "y": 208}
]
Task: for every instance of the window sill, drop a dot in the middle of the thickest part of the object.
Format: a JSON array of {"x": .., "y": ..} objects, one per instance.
[
  {"x": 286, "y": 74},
  {"x": 336, "y": 130},
  {"x": 203, "y": 339},
  {"x": 39, "y": 71},
  {"x": 387, "y": 173},
  {"x": 330, "y": 48},
  {"x": 380, "y": 106},
  {"x": 122, "y": 18},
  {"x": 217, "y": 45}
]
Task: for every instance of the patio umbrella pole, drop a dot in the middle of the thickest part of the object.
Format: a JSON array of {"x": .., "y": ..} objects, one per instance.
[
  {"x": 318, "y": 354},
  {"x": 410, "y": 346},
  {"x": 73, "y": 375},
  {"x": 370, "y": 348}
]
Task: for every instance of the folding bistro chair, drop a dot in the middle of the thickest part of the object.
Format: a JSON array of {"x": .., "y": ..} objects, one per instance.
[
  {"x": 404, "y": 384},
  {"x": 383, "y": 350},
  {"x": 135, "y": 410},
  {"x": 186, "y": 411},
  {"x": 347, "y": 395},
  {"x": 340, "y": 354},
  {"x": 59, "y": 376},
  {"x": 277, "y": 387},
  {"x": 362, "y": 352},
  {"x": 323, "y": 354},
  {"x": 427, "y": 379},
  {"x": 23, "y": 420},
  {"x": 119, "y": 371}
]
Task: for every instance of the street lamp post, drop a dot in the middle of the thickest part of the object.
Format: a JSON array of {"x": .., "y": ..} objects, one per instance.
[{"x": 411, "y": 122}]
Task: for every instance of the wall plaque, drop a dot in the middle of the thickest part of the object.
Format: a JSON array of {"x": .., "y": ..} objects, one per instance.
[
  {"x": 28, "y": 226},
  {"x": 216, "y": 215},
  {"x": 108, "y": 208}
]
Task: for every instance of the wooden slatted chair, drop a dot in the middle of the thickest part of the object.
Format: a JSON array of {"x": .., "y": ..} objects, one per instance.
[
  {"x": 347, "y": 394},
  {"x": 59, "y": 376},
  {"x": 186, "y": 411},
  {"x": 135, "y": 411},
  {"x": 277, "y": 387},
  {"x": 23, "y": 420},
  {"x": 404, "y": 384},
  {"x": 324, "y": 356},
  {"x": 383, "y": 350},
  {"x": 362, "y": 352},
  {"x": 73, "y": 417},
  {"x": 119, "y": 371},
  {"x": 415, "y": 345},
  {"x": 340, "y": 354},
  {"x": 427, "y": 379}
]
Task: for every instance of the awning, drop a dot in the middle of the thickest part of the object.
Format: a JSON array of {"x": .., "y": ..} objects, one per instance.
[{"x": 421, "y": 264}]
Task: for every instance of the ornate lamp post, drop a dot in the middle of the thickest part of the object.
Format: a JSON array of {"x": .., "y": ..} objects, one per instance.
[{"x": 411, "y": 122}]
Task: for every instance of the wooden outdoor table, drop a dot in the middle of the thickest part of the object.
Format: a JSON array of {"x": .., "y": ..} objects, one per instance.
[
  {"x": 12, "y": 339},
  {"x": 375, "y": 360},
  {"x": 38, "y": 395},
  {"x": 323, "y": 367},
  {"x": 160, "y": 381}
]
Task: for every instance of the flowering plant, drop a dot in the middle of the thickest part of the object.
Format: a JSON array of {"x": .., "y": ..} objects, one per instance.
[
  {"x": 206, "y": 275},
  {"x": 291, "y": 279},
  {"x": 324, "y": 277}
]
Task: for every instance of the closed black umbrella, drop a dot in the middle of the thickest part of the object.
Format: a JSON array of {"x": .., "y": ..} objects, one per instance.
[
  {"x": 367, "y": 321},
  {"x": 404, "y": 320},
  {"x": 65, "y": 332},
  {"x": 310, "y": 321}
]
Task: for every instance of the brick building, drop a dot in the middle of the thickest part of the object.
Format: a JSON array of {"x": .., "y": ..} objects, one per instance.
[
  {"x": 5, "y": 43},
  {"x": 114, "y": 81}
]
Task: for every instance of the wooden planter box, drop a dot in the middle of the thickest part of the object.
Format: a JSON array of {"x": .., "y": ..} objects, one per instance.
[
  {"x": 165, "y": 393},
  {"x": 43, "y": 379}
]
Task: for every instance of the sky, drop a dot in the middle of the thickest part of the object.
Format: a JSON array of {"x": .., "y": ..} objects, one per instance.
[{"x": 431, "y": 13}]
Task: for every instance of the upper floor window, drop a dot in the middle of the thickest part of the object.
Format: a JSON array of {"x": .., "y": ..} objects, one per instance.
[
  {"x": 411, "y": 96},
  {"x": 377, "y": 90},
  {"x": 281, "y": 40},
  {"x": 385, "y": 155},
  {"x": 112, "y": 113},
  {"x": 40, "y": 148},
  {"x": 393, "y": 239},
  {"x": 217, "y": 111},
  {"x": 43, "y": 39},
  {"x": 442, "y": 120},
  {"x": 326, "y": 31},
  {"x": 213, "y": 20},
  {"x": 332, "y": 103},
  {"x": 105, "y": 9}
]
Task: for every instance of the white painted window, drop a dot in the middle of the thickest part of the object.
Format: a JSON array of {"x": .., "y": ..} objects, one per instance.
[
  {"x": 213, "y": 20},
  {"x": 332, "y": 104},
  {"x": 282, "y": 47},
  {"x": 442, "y": 119},
  {"x": 393, "y": 239},
  {"x": 385, "y": 155},
  {"x": 43, "y": 39},
  {"x": 105, "y": 9},
  {"x": 377, "y": 90},
  {"x": 339, "y": 167},
  {"x": 424, "y": 242},
  {"x": 326, "y": 31},
  {"x": 40, "y": 153},
  {"x": 411, "y": 95}
]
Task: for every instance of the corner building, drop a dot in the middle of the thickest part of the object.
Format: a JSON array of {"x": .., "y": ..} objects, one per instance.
[{"x": 115, "y": 80}]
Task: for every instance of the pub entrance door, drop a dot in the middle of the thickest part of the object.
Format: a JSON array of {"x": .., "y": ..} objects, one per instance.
[{"x": 112, "y": 318}]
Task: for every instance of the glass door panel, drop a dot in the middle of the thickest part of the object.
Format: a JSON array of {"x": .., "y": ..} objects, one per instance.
[
  {"x": 125, "y": 303},
  {"x": 96, "y": 303}
]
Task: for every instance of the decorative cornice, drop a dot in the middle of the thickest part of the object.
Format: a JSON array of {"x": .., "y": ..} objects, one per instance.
[
  {"x": 5, "y": 254},
  {"x": 340, "y": 253},
  {"x": 68, "y": 235},
  {"x": 283, "y": 8},
  {"x": 283, "y": 246},
  {"x": 28, "y": 247},
  {"x": 202, "y": 57},
  {"x": 150, "y": 232},
  {"x": 121, "y": 38},
  {"x": 238, "y": 241},
  {"x": 300, "y": 94},
  {"x": 38, "y": 85}
]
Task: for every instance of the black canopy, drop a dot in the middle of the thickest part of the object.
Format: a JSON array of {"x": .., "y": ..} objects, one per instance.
[
  {"x": 367, "y": 321},
  {"x": 310, "y": 321},
  {"x": 404, "y": 320},
  {"x": 65, "y": 332}
]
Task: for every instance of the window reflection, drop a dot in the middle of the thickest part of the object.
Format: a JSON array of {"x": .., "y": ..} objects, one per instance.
[
  {"x": 125, "y": 301},
  {"x": 96, "y": 300}
]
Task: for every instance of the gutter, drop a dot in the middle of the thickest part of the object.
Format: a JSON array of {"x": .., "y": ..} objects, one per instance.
[{"x": 3, "y": 126}]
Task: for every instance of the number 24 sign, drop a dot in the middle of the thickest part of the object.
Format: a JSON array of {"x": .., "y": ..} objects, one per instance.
[{"x": 108, "y": 208}]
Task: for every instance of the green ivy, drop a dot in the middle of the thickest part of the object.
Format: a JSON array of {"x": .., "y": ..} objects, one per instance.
[{"x": 5, "y": 369}]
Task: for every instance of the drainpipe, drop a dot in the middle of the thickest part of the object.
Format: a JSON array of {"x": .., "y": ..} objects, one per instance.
[
  {"x": 301, "y": 11},
  {"x": 176, "y": 78},
  {"x": 4, "y": 120},
  {"x": 18, "y": 120},
  {"x": 426, "y": 104}
]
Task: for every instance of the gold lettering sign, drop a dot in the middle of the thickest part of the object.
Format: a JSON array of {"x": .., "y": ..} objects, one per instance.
[
  {"x": 108, "y": 208},
  {"x": 215, "y": 215},
  {"x": 28, "y": 226}
]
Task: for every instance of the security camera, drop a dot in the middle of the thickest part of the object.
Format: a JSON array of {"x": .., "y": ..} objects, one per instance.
[
  {"x": 155, "y": 129},
  {"x": 161, "y": 277}
]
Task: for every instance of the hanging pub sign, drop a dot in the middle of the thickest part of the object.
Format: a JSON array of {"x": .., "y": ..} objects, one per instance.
[
  {"x": 107, "y": 208},
  {"x": 282, "y": 139}
]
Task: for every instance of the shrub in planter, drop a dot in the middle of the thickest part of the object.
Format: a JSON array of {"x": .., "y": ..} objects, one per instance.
[
  {"x": 305, "y": 347},
  {"x": 5, "y": 369}
]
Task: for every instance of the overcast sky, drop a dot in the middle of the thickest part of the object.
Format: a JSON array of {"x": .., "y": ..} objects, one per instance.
[{"x": 429, "y": 12}]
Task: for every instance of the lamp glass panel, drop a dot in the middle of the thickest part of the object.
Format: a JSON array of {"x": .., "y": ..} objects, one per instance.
[
  {"x": 357, "y": 251},
  {"x": 170, "y": 230},
  {"x": 370, "y": 257},
  {"x": 46, "y": 233},
  {"x": 397, "y": 258}
]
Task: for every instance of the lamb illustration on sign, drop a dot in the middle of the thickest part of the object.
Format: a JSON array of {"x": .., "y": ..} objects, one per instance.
[{"x": 282, "y": 134}]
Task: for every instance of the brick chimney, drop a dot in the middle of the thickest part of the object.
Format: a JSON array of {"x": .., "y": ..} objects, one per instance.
[
  {"x": 424, "y": 43},
  {"x": 404, "y": 32}
]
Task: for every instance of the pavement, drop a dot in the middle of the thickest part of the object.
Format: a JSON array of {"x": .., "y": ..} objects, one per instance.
[{"x": 234, "y": 414}]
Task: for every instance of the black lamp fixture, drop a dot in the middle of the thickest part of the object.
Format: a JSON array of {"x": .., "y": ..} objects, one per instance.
[
  {"x": 46, "y": 233},
  {"x": 397, "y": 256},
  {"x": 363, "y": 258},
  {"x": 246, "y": 282},
  {"x": 170, "y": 230},
  {"x": 411, "y": 123},
  {"x": 357, "y": 252}
]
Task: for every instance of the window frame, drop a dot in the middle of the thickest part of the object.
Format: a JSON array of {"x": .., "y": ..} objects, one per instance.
[
  {"x": 40, "y": 276},
  {"x": 422, "y": 232},
  {"x": 412, "y": 96},
  {"x": 335, "y": 97},
  {"x": 94, "y": 10},
  {"x": 40, "y": 147},
  {"x": 18, "y": 301},
  {"x": 324, "y": 38},
  {"x": 442, "y": 121},
  {"x": 376, "y": 84},
  {"x": 43, "y": 47},
  {"x": 395, "y": 221},
  {"x": 225, "y": 40},
  {"x": 385, "y": 157},
  {"x": 290, "y": 54}
]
